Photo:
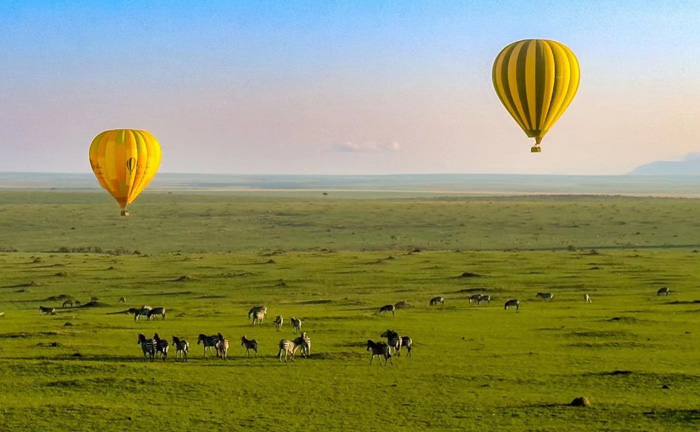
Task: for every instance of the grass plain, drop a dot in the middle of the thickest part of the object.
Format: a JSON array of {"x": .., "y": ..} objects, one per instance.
[{"x": 332, "y": 261}]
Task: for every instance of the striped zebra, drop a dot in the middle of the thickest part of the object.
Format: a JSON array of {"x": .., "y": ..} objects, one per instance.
[
  {"x": 47, "y": 310},
  {"x": 437, "y": 300},
  {"x": 663, "y": 292},
  {"x": 161, "y": 346},
  {"x": 209, "y": 342},
  {"x": 514, "y": 303},
  {"x": 296, "y": 325},
  {"x": 586, "y": 298},
  {"x": 290, "y": 347},
  {"x": 148, "y": 346},
  {"x": 386, "y": 309},
  {"x": 393, "y": 340},
  {"x": 380, "y": 349},
  {"x": 474, "y": 298},
  {"x": 142, "y": 312},
  {"x": 484, "y": 298},
  {"x": 122, "y": 299},
  {"x": 156, "y": 311},
  {"x": 182, "y": 347},
  {"x": 67, "y": 303},
  {"x": 407, "y": 342},
  {"x": 545, "y": 296},
  {"x": 258, "y": 314},
  {"x": 249, "y": 344},
  {"x": 221, "y": 346},
  {"x": 279, "y": 320}
]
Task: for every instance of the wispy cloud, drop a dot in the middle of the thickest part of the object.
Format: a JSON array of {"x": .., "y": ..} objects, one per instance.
[{"x": 367, "y": 147}]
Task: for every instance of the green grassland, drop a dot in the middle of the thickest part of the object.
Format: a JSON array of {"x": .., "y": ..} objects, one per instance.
[{"x": 332, "y": 262}]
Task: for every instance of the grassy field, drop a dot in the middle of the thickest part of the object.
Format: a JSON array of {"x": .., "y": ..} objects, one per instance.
[{"x": 333, "y": 262}]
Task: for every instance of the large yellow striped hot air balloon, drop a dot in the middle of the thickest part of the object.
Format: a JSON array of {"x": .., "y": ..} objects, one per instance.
[
  {"x": 536, "y": 80},
  {"x": 124, "y": 162}
]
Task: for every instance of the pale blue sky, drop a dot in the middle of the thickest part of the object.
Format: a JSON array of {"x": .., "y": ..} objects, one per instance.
[{"x": 353, "y": 87}]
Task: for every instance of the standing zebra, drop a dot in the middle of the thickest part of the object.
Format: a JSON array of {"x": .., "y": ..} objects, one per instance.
[
  {"x": 437, "y": 300},
  {"x": 380, "y": 349},
  {"x": 474, "y": 298},
  {"x": 304, "y": 342},
  {"x": 484, "y": 298},
  {"x": 148, "y": 346},
  {"x": 122, "y": 299},
  {"x": 182, "y": 347},
  {"x": 279, "y": 320},
  {"x": 296, "y": 325},
  {"x": 407, "y": 342},
  {"x": 258, "y": 313},
  {"x": 545, "y": 296},
  {"x": 161, "y": 346},
  {"x": 289, "y": 347},
  {"x": 386, "y": 309},
  {"x": 586, "y": 298},
  {"x": 221, "y": 346},
  {"x": 663, "y": 291},
  {"x": 393, "y": 340},
  {"x": 249, "y": 344},
  {"x": 208, "y": 342},
  {"x": 68, "y": 303},
  {"x": 47, "y": 310},
  {"x": 514, "y": 303},
  {"x": 156, "y": 311}
]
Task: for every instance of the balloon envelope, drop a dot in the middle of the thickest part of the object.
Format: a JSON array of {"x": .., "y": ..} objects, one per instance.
[
  {"x": 124, "y": 162},
  {"x": 536, "y": 80}
]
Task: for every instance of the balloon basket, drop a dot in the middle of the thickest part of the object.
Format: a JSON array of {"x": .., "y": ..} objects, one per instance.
[
  {"x": 536, "y": 149},
  {"x": 125, "y": 213}
]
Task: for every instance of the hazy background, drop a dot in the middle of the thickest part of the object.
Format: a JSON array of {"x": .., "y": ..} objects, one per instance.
[{"x": 356, "y": 87}]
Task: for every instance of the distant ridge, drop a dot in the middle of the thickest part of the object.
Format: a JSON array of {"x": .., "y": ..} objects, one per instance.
[{"x": 688, "y": 166}]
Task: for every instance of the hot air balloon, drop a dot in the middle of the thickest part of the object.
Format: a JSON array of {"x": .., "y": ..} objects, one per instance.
[
  {"x": 536, "y": 80},
  {"x": 124, "y": 162}
]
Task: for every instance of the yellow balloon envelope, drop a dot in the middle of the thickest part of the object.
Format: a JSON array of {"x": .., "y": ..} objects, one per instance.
[
  {"x": 124, "y": 162},
  {"x": 536, "y": 80}
]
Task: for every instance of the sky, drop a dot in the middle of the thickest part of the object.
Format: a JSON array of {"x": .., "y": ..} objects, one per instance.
[{"x": 342, "y": 87}]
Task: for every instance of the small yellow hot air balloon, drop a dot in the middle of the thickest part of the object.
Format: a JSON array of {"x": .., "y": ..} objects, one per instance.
[
  {"x": 536, "y": 80},
  {"x": 124, "y": 162}
]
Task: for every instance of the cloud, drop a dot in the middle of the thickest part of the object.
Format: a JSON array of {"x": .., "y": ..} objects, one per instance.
[{"x": 367, "y": 147}]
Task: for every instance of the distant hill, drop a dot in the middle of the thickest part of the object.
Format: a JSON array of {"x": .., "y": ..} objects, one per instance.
[{"x": 688, "y": 166}]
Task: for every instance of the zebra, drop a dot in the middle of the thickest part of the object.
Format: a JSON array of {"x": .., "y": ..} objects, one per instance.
[
  {"x": 122, "y": 299},
  {"x": 388, "y": 308},
  {"x": 47, "y": 310},
  {"x": 484, "y": 298},
  {"x": 296, "y": 325},
  {"x": 148, "y": 346},
  {"x": 161, "y": 346},
  {"x": 586, "y": 298},
  {"x": 305, "y": 343},
  {"x": 258, "y": 313},
  {"x": 208, "y": 342},
  {"x": 67, "y": 303},
  {"x": 221, "y": 346},
  {"x": 94, "y": 299},
  {"x": 663, "y": 291},
  {"x": 512, "y": 303},
  {"x": 249, "y": 344},
  {"x": 142, "y": 312},
  {"x": 279, "y": 320},
  {"x": 156, "y": 311},
  {"x": 545, "y": 296},
  {"x": 182, "y": 347},
  {"x": 289, "y": 347},
  {"x": 76, "y": 303},
  {"x": 437, "y": 300},
  {"x": 474, "y": 298},
  {"x": 407, "y": 342},
  {"x": 393, "y": 340},
  {"x": 380, "y": 349}
]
